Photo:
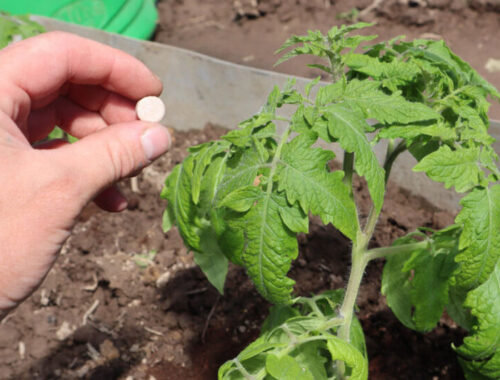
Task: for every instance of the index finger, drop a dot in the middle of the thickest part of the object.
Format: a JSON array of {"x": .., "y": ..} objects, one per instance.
[{"x": 35, "y": 70}]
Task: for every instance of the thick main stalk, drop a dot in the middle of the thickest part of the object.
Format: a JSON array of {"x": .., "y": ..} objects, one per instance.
[{"x": 347, "y": 309}]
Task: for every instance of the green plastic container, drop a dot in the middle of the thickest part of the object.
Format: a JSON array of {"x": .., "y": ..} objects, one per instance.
[{"x": 132, "y": 18}]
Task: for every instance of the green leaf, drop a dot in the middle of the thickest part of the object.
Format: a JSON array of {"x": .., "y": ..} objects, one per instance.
[
  {"x": 410, "y": 131},
  {"x": 212, "y": 179},
  {"x": 241, "y": 170},
  {"x": 375, "y": 104},
  {"x": 456, "y": 309},
  {"x": 431, "y": 272},
  {"x": 258, "y": 126},
  {"x": 309, "y": 356},
  {"x": 258, "y": 239},
  {"x": 422, "y": 146},
  {"x": 357, "y": 337},
  {"x": 324, "y": 68},
  {"x": 306, "y": 179},
  {"x": 299, "y": 123},
  {"x": 457, "y": 168},
  {"x": 480, "y": 353},
  {"x": 391, "y": 74},
  {"x": 310, "y": 114},
  {"x": 203, "y": 158},
  {"x": 331, "y": 45},
  {"x": 293, "y": 216},
  {"x": 480, "y": 239},
  {"x": 286, "y": 367},
  {"x": 168, "y": 219},
  {"x": 348, "y": 127},
  {"x": 397, "y": 288},
  {"x": 257, "y": 347},
  {"x": 269, "y": 249},
  {"x": 278, "y": 314},
  {"x": 212, "y": 260},
  {"x": 365, "y": 64},
  {"x": 330, "y": 93},
  {"x": 341, "y": 350},
  {"x": 354, "y": 41},
  {"x": 177, "y": 191},
  {"x": 408, "y": 276},
  {"x": 242, "y": 199},
  {"x": 488, "y": 159}
]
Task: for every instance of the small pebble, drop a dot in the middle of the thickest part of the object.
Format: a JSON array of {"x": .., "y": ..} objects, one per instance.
[{"x": 150, "y": 108}]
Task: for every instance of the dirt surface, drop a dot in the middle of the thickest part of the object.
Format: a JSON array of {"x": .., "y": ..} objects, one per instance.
[
  {"x": 108, "y": 310},
  {"x": 249, "y": 31}
]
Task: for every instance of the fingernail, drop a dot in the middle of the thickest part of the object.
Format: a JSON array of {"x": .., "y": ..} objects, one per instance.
[{"x": 155, "y": 141}]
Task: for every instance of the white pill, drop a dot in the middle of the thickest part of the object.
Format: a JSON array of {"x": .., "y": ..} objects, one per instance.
[{"x": 150, "y": 108}]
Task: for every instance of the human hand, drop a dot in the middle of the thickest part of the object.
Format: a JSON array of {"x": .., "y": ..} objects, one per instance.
[{"x": 89, "y": 90}]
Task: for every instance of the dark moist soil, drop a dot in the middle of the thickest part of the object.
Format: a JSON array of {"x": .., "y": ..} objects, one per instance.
[{"x": 102, "y": 313}]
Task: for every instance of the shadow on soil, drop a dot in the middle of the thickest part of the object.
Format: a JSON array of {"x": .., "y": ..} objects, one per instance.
[{"x": 76, "y": 351}]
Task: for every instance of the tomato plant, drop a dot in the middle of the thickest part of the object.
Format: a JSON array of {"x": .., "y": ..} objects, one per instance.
[{"x": 245, "y": 198}]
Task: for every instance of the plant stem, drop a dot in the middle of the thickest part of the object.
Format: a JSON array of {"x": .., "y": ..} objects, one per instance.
[
  {"x": 371, "y": 222},
  {"x": 377, "y": 253},
  {"x": 347, "y": 309},
  {"x": 336, "y": 68},
  {"x": 333, "y": 322}
]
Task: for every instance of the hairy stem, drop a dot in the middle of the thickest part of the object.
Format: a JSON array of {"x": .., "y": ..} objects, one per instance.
[
  {"x": 337, "y": 69},
  {"x": 359, "y": 262},
  {"x": 377, "y": 253},
  {"x": 347, "y": 309}
]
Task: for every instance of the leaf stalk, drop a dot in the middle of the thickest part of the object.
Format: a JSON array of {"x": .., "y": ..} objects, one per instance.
[{"x": 378, "y": 253}]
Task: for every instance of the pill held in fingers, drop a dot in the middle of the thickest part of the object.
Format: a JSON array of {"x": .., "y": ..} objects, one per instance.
[{"x": 150, "y": 108}]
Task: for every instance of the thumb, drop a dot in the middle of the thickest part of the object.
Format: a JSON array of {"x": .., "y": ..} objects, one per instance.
[{"x": 113, "y": 153}]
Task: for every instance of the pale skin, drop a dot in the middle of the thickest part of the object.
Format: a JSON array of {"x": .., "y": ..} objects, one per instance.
[{"x": 90, "y": 90}]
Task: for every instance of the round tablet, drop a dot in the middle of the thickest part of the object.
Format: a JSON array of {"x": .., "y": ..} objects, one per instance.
[{"x": 150, "y": 108}]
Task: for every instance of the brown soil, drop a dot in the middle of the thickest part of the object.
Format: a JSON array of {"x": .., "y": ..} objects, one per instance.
[
  {"x": 240, "y": 32},
  {"x": 102, "y": 314}
]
